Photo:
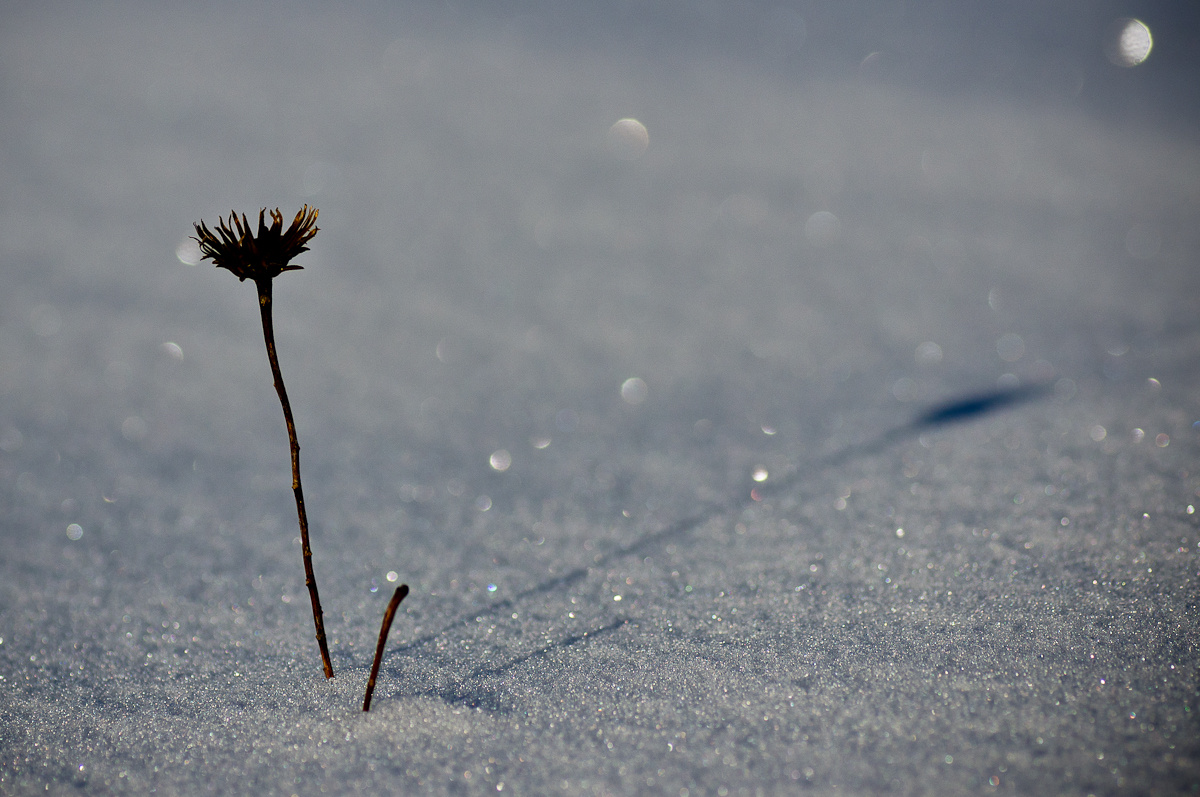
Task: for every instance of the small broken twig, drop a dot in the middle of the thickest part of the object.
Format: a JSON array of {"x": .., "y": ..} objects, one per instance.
[{"x": 388, "y": 617}]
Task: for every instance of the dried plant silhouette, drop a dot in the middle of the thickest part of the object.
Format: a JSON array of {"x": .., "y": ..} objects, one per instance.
[
  {"x": 262, "y": 258},
  {"x": 388, "y": 616}
]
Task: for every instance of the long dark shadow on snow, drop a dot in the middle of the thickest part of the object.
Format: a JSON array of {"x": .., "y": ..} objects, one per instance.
[
  {"x": 958, "y": 410},
  {"x": 467, "y": 690}
]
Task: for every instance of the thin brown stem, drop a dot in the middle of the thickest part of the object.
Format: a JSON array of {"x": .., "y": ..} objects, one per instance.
[
  {"x": 388, "y": 616},
  {"x": 310, "y": 580}
]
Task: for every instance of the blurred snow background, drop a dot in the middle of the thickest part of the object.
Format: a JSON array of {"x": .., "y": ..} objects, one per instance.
[{"x": 539, "y": 364}]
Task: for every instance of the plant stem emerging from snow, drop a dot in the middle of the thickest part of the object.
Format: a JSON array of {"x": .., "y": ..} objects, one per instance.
[
  {"x": 388, "y": 616},
  {"x": 310, "y": 580}
]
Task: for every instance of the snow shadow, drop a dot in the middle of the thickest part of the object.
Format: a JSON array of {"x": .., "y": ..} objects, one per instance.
[{"x": 466, "y": 689}]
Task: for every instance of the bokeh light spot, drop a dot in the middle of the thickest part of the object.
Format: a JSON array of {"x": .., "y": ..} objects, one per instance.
[
  {"x": 134, "y": 429},
  {"x": 906, "y": 389},
  {"x": 1010, "y": 347},
  {"x": 634, "y": 390},
  {"x": 1129, "y": 42},
  {"x": 188, "y": 252},
  {"x": 928, "y": 353},
  {"x": 628, "y": 139},
  {"x": 500, "y": 460},
  {"x": 823, "y": 228}
]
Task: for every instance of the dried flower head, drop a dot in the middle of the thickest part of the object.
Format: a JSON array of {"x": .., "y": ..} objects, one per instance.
[{"x": 260, "y": 257}]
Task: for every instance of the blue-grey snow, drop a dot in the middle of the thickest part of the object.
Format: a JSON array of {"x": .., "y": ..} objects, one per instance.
[{"x": 757, "y": 399}]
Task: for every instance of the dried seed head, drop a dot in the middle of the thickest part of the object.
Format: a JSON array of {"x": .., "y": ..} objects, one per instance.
[{"x": 258, "y": 257}]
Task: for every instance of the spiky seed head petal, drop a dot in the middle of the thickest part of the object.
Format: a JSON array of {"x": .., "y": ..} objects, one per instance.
[{"x": 258, "y": 257}]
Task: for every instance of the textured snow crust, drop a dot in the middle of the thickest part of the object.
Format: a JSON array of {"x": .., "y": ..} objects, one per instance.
[{"x": 904, "y": 502}]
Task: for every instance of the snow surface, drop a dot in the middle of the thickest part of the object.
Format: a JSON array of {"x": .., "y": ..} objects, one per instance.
[{"x": 903, "y": 502}]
